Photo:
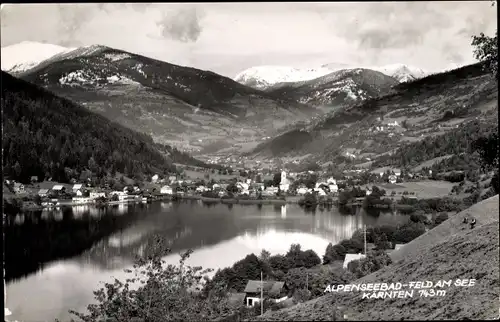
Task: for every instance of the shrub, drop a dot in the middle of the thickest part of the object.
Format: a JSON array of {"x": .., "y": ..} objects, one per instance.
[
  {"x": 334, "y": 253},
  {"x": 371, "y": 263},
  {"x": 408, "y": 232},
  {"x": 441, "y": 217}
]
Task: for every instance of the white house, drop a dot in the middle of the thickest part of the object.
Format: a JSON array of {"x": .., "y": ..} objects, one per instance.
[
  {"x": 320, "y": 191},
  {"x": 81, "y": 200},
  {"x": 254, "y": 289},
  {"x": 302, "y": 191},
  {"x": 166, "y": 190},
  {"x": 242, "y": 186},
  {"x": 352, "y": 257},
  {"x": 368, "y": 192},
  {"x": 95, "y": 195},
  {"x": 154, "y": 178},
  {"x": 392, "y": 179},
  {"x": 333, "y": 188},
  {"x": 271, "y": 190},
  {"x": 331, "y": 181},
  {"x": 77, "y": 188}
]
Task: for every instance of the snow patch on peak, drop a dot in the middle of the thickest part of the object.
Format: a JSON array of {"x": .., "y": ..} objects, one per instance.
[
  {"x": 265, "y": 76},
  {"x": 27, "y": 54},
  {"x": 401, "y": 72},
  {"x": 116, "y": 57}
]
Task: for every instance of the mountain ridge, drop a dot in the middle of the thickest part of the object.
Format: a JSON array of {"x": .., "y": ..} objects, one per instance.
[
  {"x": 180, "y": 106},
  {"x": 409, "y": 112}
]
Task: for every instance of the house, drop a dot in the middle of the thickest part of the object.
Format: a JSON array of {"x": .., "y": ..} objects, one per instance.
[
  {"x": 392, "y": 179},
  {"x": 59, "y": 188},
  {"x": 154, "y": 178},
  {"x": 96, "y": 195},
  {"x": 166, "y": 190},
  {"x": 77, "y": 189},
  {"x": 270, "y": 289},
  {"x": 334, "y": 188},
  {"x": 34, "y": 179},
  {"x": 302, "y": 191},
  {"x": 43, "y": 192},
  {"x": 172, "y": 179},
  {"x": 81, "y": 200},
  {"x": 236, "y": 299},
  {"x": 352, "y": 257},
  {"x": 320, "y": 191},
  {"x": 18, "y": 187}
]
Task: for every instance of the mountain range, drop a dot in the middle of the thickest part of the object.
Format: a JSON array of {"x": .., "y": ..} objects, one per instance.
[
  {"x": 407, "y": 114},
  {"x": 267, "y": 112},
  {"x": 181, "y": 106},
  {"x": 264, "y": 77}
]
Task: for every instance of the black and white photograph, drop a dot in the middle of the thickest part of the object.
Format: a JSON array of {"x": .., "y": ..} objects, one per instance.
[{"x": 250, "y": 161}]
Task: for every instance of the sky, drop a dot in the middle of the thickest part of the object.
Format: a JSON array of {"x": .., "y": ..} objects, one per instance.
[{"x": 228, "y": 38}]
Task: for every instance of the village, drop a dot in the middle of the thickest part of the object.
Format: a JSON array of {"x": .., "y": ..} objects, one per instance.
[{"x": 200, "y": 183}]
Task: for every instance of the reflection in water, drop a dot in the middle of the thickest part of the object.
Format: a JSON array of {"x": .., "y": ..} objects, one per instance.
[
  {"x": 19, "y": 219},
  {"x": 101, "y": 242}
]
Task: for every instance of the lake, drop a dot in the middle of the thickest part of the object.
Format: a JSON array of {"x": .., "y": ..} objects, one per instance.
[{"x": 55, "y": 259}]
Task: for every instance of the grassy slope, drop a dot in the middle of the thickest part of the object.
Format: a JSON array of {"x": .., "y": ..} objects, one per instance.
[{"x": 444, "y": 253}]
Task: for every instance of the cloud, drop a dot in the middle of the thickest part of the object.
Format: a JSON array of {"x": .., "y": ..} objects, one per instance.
[
  {"x": 182, "y": 25},
  {"x": 229, "y": 37}
]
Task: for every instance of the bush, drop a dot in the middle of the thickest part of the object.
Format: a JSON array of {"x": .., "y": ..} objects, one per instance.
[
  {"x": 408, "y": 232},
  {"x": 309, "y": 200},
  {"x": 302, "y": 295},
  {"x": 416, "y": 218},
  {"x": 210, "y": 194},
  {"x": 440, "y": 218},
  {"x": 334, "y": 253},
  {"x": 371, "y": 263}
]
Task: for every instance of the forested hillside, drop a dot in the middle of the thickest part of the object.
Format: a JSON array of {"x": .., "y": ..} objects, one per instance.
[
  {"x": 51, "y": 137},
  {"x": 460, "y": 140}
]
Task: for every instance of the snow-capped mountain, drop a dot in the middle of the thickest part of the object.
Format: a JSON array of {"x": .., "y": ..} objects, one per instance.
[
  {"x": 27, "y": 54},
  {"x": 337, "y": 88},
  {"x": 263, "y": 77},
  {"x": 403, "y": 73},
  {"x": 174, "y": 104}
]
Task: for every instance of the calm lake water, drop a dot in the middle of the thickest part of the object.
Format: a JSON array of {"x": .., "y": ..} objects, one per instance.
[{"x": 55, "y": 259}]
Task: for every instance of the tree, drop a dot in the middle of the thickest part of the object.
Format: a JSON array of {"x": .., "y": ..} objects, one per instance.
[
  {"x": 264, "y": 255},
  {"x": 17, "y": 169},
  {"x": 311, "y": 259},
  {"x": 486, "y": 50},
  {"x": 381, "y": 242},
  {"x": 334, "y": 253},
  {"x": 159, "y": 285},
  {"x": 371, "y": 263}
]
